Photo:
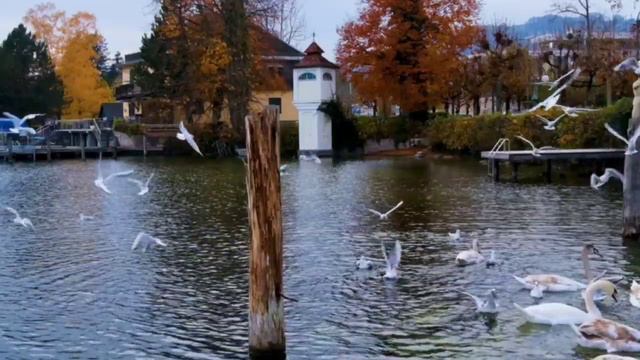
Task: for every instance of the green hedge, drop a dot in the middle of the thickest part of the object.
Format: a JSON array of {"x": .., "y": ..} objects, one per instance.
[
  {"x": 476, "y": 134},
  {"x": 124, "y": 127}
]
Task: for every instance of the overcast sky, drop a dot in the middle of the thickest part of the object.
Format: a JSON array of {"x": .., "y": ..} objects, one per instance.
[{"x": 123, "y": 22}]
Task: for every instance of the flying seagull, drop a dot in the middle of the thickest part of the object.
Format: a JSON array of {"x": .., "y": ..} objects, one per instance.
[
  {"x": 146, "y": 241},
  {"x": 101, "y": 181},
  {"x": 283, "y": 168},
  {"x": 551, "y": 125},
  {"x": 598, "y": 181},
  {"x": 20, "y": 220},
  {"x": 18, "y": 123},
  {"x": 144, "y": 186},
  {"x": 488, "y": 305},
  {"x": 631, "y": 143},
  {"x": 185, "y": 135},
  {"x": 385, "y": 216},
  {"x": 552, "y": 100},
  {"x": 629, "y": 64},
  {"x": 534, "y": 150},
  {"x": 572, "y": 111},
  {"x": 393, "y": 261}
]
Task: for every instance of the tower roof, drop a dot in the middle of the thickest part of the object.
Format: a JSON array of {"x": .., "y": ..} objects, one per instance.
[{"x": 313, "y": 58}]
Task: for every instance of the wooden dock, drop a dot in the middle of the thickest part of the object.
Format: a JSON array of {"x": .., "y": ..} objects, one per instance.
[{"x": 545, "y": 156}]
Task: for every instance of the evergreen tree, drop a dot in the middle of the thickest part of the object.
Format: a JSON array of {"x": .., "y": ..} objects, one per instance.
[{"x": 28, "y": 82}]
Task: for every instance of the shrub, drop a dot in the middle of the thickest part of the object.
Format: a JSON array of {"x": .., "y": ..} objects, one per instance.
[
  {"x": 476, "y": 134},
  {"x": 289, "y": 143},
  {"x": 127, "y": 128}
]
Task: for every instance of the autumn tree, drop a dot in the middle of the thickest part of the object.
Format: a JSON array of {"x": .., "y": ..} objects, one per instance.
[
  {"x": 28, "y": 82},
  {"x": 78, "y": 51},
  {"x": 54, "y": 27},
  {"x": 84, "y": 88},
  {"x": 408, "y": 48}
]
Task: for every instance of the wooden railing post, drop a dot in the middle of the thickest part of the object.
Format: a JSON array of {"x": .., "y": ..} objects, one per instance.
[{"x": 266, "y": 313}]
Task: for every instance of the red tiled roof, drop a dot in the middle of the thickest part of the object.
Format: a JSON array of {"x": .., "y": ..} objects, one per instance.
[{"x": 314, "y": 58}]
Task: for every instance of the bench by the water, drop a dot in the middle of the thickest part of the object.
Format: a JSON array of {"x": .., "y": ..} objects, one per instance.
[{"x": 547, "y": 156}]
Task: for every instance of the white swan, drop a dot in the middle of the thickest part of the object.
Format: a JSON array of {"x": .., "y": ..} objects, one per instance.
[
  {"x": 385, "y": 216},
  {"x": 613, "y": 357},
  {"x": 599, "y": 333},
  {"x": 634, "y": 295},
  {"x": 144, "y": 186},
  {"x": 393, "y": 261},
  {"x": 563, "y": 314},
  {"x": 469, "y": 257},
  {"x": 185, "y": 135},
  {"x": 557, "y": 283}
]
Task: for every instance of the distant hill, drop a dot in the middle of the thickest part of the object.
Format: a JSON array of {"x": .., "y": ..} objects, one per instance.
[{"x": 555, "y": 24}]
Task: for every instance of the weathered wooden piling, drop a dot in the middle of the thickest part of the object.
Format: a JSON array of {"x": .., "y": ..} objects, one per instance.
[
  {"x": 266, "y": 313},
  {"x": 631, "y": 192}
]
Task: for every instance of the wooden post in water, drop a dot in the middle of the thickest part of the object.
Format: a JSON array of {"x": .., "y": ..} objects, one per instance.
[
  {"x": 631, "y": 193},
  {"x": 266, "y": 313}
]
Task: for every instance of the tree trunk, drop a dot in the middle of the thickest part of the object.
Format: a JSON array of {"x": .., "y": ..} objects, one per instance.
[{"x": 266, "y": 313}]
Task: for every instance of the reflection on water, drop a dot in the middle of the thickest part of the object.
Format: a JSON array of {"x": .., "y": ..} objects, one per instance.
[{"x": 73, "y": 289}]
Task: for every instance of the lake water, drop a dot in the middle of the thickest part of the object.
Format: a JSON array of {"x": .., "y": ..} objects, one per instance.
[{"x": 76, "y": 290}]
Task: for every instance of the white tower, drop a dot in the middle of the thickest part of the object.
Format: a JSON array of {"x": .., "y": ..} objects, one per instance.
[{"x": 314, "y": 81}]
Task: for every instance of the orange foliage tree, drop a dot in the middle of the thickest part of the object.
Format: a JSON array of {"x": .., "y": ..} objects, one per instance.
[
  {"x": 73, "y": 42},
  {"x": 406, "y": 50}
]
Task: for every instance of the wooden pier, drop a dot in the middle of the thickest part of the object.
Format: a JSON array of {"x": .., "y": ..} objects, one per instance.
[{"x": 546, "y": 157}]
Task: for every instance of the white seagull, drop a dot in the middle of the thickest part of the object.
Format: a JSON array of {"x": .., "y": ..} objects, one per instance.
[
  {"x": 598, "y": 181},
  {"x": 20, "y": 220},
  {"x": 534, "y": 150},
  {"x": 488, "y": 305},
  {"x": 146, "y": 241},
  {"x": 385, "y": 216},
  {"x": 185, "y": 135},
  {"x": 552, "y": 100},
  {"x": 101, "y": 181},
  {"x": 455, "y": 235},
  {"x": 312, "y": 157},
  {"x": 573, "y": 111},
  {"x": 631, "y": 143},
  {"x": 144, "y": 186},
  {"x": 283, "y": 168},
  {"x": 547, "y": 104},
  {"x": 363, "y": 264},
  {"x": 629, "y": 64},
  {"x": 393, "y": 261},
  {"x": 551, "y": 125},
  {"x": 18, "y": 123},
  {"x": 84, "y": 217}
]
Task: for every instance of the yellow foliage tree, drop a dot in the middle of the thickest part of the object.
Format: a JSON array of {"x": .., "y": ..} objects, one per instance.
[
  {"x": 84, "y": 89},
  {"x": 72, "y": 42}
]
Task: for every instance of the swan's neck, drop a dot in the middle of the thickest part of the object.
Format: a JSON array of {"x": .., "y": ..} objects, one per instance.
[
  {"x": 475, "y": 246},
  {"x": 592, "y": 309}
]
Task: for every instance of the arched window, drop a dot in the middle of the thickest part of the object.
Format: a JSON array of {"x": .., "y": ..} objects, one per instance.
[
  {"x": 327, "y": 77},
  {"x": 307, "y": 76}
]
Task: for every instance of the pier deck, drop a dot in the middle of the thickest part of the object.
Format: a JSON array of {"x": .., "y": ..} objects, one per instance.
[{"x": 547, "y": 156}]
